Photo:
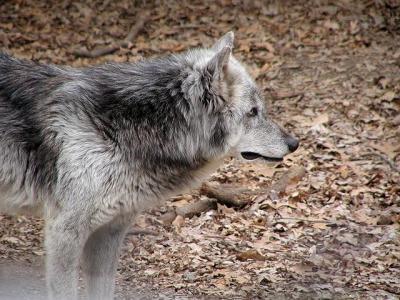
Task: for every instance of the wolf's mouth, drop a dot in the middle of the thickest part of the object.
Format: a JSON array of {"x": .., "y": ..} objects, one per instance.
[{"x": 253, "y": 155}]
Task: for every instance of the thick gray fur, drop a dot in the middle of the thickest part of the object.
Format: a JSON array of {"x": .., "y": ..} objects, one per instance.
[{"x": 88, "y": 149}]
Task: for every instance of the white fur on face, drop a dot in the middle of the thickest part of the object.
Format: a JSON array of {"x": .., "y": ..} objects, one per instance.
[{"x": 257, "y": 134}]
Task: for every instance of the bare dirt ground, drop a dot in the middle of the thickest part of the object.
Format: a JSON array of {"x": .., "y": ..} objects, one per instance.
[
  {"x": 330, "y": 71},
  {"x": 26, "y": 281}
]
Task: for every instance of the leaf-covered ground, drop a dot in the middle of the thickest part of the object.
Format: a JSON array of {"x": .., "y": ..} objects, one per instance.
[{"x": 330, "y": 71}]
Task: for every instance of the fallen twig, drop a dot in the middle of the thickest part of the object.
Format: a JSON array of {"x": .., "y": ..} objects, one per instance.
[
  {"x": 143, "y": 231},
  {"x": 228, "y": 195},
  {"x": 291, "y": 176},
  {"x": 135, "y": 29},
  {"x": 232, "y": 196},
  {"x": 285, "y": 95},
  {"x": 96, "y": 52},
  {"x": 133, "y": 32},
  {"x": 239, "y": 197},
  {"x": 386, "y": 159},
  {"x": 196, "y": 208},
  {"x": 189, "y": 210},
  {"x": 104, "y": 5},
  {"x": 303, "y": 220}
]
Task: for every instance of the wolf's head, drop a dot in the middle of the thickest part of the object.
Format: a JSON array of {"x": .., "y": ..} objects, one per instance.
[{"x": 223, "y": 86}]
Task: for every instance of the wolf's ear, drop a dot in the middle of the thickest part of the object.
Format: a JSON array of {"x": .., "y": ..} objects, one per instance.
[
  {"x": 218, "y": 63},
  {"x": 223, "y": 47},
  {"x": 213, "y": 78},
  {"x": 207, "y": 83},
  {"x": 225, "y": 41}
]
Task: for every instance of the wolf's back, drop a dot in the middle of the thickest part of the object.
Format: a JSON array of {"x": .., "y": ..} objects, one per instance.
[
  {"x": 21, "y": 80},
  {"x": 26, "y": 158}
]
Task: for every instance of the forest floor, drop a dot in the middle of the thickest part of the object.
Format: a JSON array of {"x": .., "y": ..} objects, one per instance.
[{"x": 330, "y": 72}]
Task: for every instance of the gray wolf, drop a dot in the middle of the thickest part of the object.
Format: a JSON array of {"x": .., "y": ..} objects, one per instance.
[{"x": 88, "y": 149}]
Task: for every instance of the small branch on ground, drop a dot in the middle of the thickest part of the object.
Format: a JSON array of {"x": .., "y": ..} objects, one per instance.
[
  {"x": 135, "y": 29},
  {"x": 104, "y": 5},
  {"x": 232, "y": 196},
  {"x": 4, "y": 41},
  {"x": 190, "y": 210},
  {"x": 285, "y": 95},
  {"x": 303, "y": 220},
  {"x": 239, "y": 197},
  {"x": 386, "y": 159},
  {"x": 196, "y": 208},
  {"x": 96, "y": 52},
  {"x": 228, "y": 195},
  {"x": 133, "y": 33},
  {"x": 141, "y": 231},
  {"x": 291, "y": 176}
]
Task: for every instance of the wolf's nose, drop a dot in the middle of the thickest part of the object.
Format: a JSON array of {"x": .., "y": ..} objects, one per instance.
[{"x": 292, "y": 143}]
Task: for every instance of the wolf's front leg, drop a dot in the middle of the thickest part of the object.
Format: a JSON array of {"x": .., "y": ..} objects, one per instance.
[
  {"x": 100, "y": 258},
  {"x": 64, "y": 240}
]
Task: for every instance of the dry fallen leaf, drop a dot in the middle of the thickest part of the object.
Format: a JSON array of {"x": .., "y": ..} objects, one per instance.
[
  {"x": 250, "y": 255},
  {"x": 388, "y": 96},
  {"x": 331, "y": 25},
  {"x": 389, "y": 149},
  {"x": 319, "y": 120},
  {"x": 178, "y": 222}
]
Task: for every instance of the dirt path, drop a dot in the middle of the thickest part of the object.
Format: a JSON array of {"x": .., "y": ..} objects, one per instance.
[
  {"x": 21, "y": 281},
  {"x": 26, "y": 281}
]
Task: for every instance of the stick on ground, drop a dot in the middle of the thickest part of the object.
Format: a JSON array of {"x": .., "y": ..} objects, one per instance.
[
  {"x": 133, "y": 33},
  {"x": 228, "y": 195},
  {"x": 232, "y": 196}
]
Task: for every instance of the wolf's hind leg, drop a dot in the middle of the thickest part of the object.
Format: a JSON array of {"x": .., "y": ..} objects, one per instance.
[
  {"x": 64, "y": 240},
  {"x": 100, "y": 257}
]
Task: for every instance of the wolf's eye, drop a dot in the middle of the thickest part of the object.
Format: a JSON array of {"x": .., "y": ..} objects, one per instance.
[{"x": 253, "y": 112}]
